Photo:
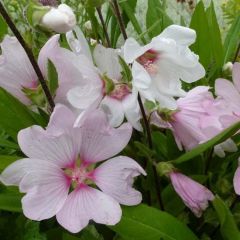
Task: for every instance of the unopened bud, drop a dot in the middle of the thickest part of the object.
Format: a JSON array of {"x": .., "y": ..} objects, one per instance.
[
  {"x": 88, "y": 26},
  {"x": 60, "y": 19},
  {"x": 164, "y": 168},
  {"x": 227, "y": 68}
]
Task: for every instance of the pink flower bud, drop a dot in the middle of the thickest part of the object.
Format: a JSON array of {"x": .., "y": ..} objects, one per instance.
[
  {"x": 60, "y": 19},
  {"x": 194, "y": 195}
]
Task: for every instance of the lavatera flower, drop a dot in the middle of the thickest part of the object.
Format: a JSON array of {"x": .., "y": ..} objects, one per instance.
[
  {"x": 117, "y": 97},
  {"x": 62, "y": 175},
  {"x": 159, "y": 66},
  {"x": 194, "y": 195}
]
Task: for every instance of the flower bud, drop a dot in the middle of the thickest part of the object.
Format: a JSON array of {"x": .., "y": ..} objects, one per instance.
[
  {"x": 194, "y": 195},
  {"x": 60, "y": 19}
]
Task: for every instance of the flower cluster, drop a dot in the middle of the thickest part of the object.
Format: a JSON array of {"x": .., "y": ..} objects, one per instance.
[{"x": 97, "y": 105}]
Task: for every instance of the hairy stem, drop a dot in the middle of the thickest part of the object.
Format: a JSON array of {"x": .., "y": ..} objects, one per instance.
[
  {"x": 104, "y": 26},
  {"x": 146, "y": 123},
  {"x": 30, "y": 55}
]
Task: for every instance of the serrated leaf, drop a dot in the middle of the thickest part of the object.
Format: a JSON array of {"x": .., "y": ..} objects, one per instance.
[{"x": 147, "y": 223}]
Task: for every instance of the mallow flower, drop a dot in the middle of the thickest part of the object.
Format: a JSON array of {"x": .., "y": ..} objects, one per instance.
[
  {"x": 61, "y": 174},
  {"x": 159, "y": 66},
  {"x": 230, "y": 93},
  {"x": 236, "y": 179},
  {"x": 117, "y": 96},
  {"x": 195, "y": 121},
  {"x": 194, "y": 195},
  {"x": 60, "y": 19},
  {"x": 18, "y": 77}
]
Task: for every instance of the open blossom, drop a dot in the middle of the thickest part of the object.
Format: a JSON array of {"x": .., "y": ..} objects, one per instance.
[
  {"x": 117, "y": 97},
  {"x": 194, "y": 195},
  {"x": 60, "y": 176},
  {"x": 18, "y": 75},
  {"x": 159, "y": 66},
  {"x": 60, "y": 19},
  {"x": 230, "y": 93},
  {"x": 196, "y": 120}
]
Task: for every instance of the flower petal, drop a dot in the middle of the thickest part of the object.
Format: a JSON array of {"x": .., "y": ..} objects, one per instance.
[
  {"x": 114, "y": 110},
  {"x": 115, "y": 178},
  {"x": 182, "y": 35},
  {"x": 107, "y": 61},
  {"x": 236, "y": 181},
  {"x": 99, "y": 140},
  {"x": 84, "y": 204},
  {"x": 236, "y": 75},
  {"x": 47, "y": 192},
  {"x": 61, "y": 150}
]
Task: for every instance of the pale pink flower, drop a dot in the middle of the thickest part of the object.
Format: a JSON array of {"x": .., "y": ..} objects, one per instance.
[
  {"x": 17, "y": 73},
  {"x": 236, "y": 179},
  {"x": 194, "y": 195},
  {"x": 159, "y": 66},
  {"x": 230, "y": 93},
  {"x": 195, "y": 121},
  {"x": 62, "y": 177},
  {"x": 118, "y": 101}
]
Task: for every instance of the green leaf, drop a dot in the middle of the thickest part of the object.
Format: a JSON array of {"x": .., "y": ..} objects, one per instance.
[
  {"x": 156, "y": 18},
  {"x": 14, "y": 115},
  {"x": 3, "y": 28},
  {"x": 6, "y": 160},
  {"x": 232, "y": 40},
  {"x": 130, "y": 13},
  {"x": 8, "y": 144},
  {"x": 126, "y": 71},
  {"x": 52, "y": 77},
  {"x": 228, "y": 226},
  {"x": 202, "y": 46},
  {"x": 224, "y": 135},
  {"x": 32, "y": 231},
  {"x": 215, "y": 35},
  {"x": 147, "y": 223},
  {"x": 10, "y": 201}
]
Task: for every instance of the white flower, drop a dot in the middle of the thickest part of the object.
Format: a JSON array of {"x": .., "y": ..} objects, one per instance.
[
  {"x": 60, "y": 19},
  {"x": 118, "y": 101},
  {"x": 159, "y": 66}
]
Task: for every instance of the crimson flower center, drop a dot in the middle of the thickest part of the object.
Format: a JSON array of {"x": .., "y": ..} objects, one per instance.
[
  {"x": 148, "y": 61},
  {"x": 120, "y": 91}
]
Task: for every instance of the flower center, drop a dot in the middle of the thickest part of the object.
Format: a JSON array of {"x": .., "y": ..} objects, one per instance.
[
  {"x": 148, "y": 61},
  {"x": 120, "y": 91}
]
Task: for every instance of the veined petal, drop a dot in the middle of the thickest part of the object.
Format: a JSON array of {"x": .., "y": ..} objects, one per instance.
[
  {"x": 47, "y": 198},
  {"x": 61, "y": 150},
  {"x": 84, "y": 204},
  {"x": 236, "y": 181},
  {"x": 15, "y": 172},
  {"x": 115, "y": 178},
  {"x": 99, "y": 140}
]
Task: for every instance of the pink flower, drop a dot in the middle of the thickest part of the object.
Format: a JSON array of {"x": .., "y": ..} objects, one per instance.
[
  {"x": 230, "y": 93},
  {"x": 194, "y": 195},
  {"x": 236, "y": 180},
  {"x": 196, "y": 120},
  {"x": 61, "y": 178}
]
